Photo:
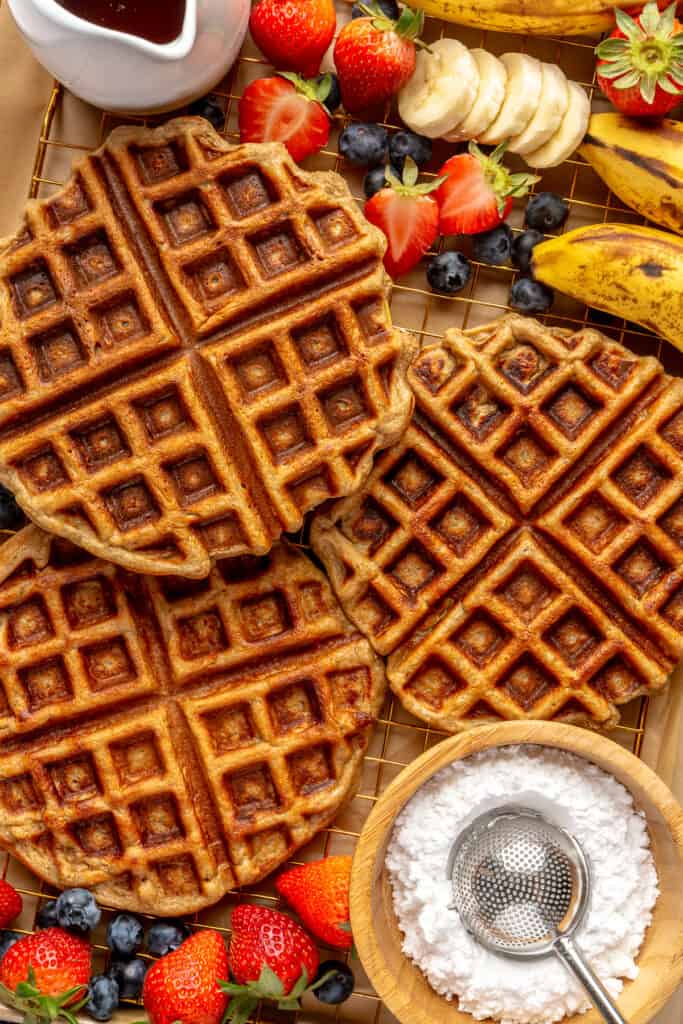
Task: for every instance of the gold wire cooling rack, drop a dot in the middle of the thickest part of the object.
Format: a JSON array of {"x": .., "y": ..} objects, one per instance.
[{"x": 69, "y": 129}]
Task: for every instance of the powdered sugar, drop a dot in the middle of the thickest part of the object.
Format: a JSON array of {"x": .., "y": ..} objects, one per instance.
[{"x": 577, "y": 795}]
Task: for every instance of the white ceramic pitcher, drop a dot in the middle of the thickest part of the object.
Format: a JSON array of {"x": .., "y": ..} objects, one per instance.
[{"x": 129, "y": 74}]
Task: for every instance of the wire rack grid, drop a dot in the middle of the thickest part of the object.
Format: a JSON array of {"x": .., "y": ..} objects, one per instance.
[{"x": 69, "y": 130}]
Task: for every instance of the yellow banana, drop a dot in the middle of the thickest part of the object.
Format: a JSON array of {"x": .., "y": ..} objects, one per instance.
[
  {"x": 641, "y": 162},
  {"x": 631, "y": 271},
  {"x": 535, "y": 17}
]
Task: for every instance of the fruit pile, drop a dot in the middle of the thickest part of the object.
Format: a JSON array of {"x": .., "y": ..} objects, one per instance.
[{"x": 182, "y": 977}]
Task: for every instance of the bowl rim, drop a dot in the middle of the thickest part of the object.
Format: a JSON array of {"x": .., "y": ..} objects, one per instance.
[{"x": 377, "y": 828}]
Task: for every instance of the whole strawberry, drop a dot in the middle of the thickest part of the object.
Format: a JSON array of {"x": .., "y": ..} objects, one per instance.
[
  {"x": 375, "y": 56},
  {"x": 287, "y": 109},
  {"x": 10, "y": 903},
  {"x": 319, "y": 892},
  {"x": 641, "y": 64},
  {"x": 184, "y": 985},
  {"x": 408, "y": 215},
  {"x": 477, "y": 191},
  {"x": 44, "y": 973},
  {"x": 271, "y": 957},
  {"x": 294, "y": 34}
]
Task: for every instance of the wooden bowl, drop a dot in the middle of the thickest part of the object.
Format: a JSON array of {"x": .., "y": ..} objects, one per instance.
[{"x": 402, "y": 985}]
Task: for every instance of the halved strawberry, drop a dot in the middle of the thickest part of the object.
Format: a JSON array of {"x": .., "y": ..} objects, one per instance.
[
  {"x": 286, "y": 109},
  {"x": 477, "y": 191},
  {"x": 408, "y": 215}
]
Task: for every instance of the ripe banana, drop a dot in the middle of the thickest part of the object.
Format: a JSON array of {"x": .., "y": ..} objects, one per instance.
[
  {"x": 531, "y": 17},
  {"x": 641, "y": 162},
  {"x": 631, "y": 271}
]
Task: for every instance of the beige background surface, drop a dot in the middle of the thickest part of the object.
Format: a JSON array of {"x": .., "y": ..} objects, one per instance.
[{"x": 24, "y": 92}]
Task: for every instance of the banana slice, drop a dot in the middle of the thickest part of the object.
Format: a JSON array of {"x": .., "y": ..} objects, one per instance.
[
  {"x": 488, "y": 101},
  {"x": 549, "y": 113},
  {"x": 568, "y": 136},
  {"x": 522, "y": 97},
  {"x": 442, "y": 89}
]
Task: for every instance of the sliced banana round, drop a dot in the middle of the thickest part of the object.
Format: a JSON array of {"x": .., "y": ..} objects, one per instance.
[
  {"x": 442, "y": 89},
  {"x": 489, "y": 98},
  {"x": 522, "y": 97},
  {"x": 549, "y": 113},
  {"x": 568, "y": 136}
]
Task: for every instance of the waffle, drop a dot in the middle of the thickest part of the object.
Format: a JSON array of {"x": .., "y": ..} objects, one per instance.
[
  {"x": 195, "y": 350},
  {"x": 163, "y": 740},
  {"x": 520, "y": 553}
]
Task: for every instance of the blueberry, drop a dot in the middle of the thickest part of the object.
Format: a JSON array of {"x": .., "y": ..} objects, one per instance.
[
  {"x": 338, "y": 986},
  {"x": 7, "y": 939},
  {"x": 364, "y": 144},
  {"x": 103, "y": 997},
  {"x": 404, "y": 144},
  {"x": 77, "y": 910},
  {"x": 449, "y": 272},
  {"x": 210, "y": 109},
  {"x": 165, "y": 936},
  {"x": 546, "y": 211},
  {"x": 333, "y": 98},
  {"x": 124, "y": 935},
  {"x": 522, "y": 246},
  {"x": 11, "y": 516},
  {"x": 531, "y": 296},
  {"x": 47, "y": 915},
  {"x": 129, "y": 976},
  {"x": 374, "y": 180},
  {"x": 387, "y": 7},
  {"x": 493, "y": 246}
]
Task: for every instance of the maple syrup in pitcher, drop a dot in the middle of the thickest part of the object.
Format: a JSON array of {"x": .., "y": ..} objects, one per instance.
[{"x": 159, "y": 22}]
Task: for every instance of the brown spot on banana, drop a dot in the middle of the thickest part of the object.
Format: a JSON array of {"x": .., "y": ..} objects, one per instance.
[{"x": 657, "y": 168}]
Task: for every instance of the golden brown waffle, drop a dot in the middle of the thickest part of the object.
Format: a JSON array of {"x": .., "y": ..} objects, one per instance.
[
  {"x": 195, "y": 350},
  {"x": 520, "y": 553},
  {"x": 163, "y": 740}
]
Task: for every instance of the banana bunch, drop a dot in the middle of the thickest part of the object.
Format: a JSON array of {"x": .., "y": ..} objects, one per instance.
[
  {"x": 631, "y": 271},
  {"x": 532, "y": 17},
  {"x": 456, "y": 93},
  {"x": 641, "y": 162}
]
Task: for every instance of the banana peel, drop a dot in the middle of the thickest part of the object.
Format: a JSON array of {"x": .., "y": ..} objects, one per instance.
[
  {"x": 641, "y": 162},
  {"x": 535, "y": 17},
  {"x": 630, "y": 271}
]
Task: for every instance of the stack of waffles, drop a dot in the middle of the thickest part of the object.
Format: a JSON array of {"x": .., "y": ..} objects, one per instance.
[{"x": 196, "y": 352}]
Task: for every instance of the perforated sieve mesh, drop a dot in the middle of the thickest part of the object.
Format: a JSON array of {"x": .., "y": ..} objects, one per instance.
[{"x": 517, "y": 880}]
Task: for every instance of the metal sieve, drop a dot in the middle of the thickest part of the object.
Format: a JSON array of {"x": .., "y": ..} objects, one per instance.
[{"x": 521, "y": 886}]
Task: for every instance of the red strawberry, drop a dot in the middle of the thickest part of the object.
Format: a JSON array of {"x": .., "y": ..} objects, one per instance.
[
  {"x": 184, "y": 985},
  {"x": 271, "y": 957},
  {"x": 641, "y": 64},
  {"x": 477, "y": 192},
  {"x": 286, "y": 109},
  {"x": 375, "y": 57},
  {"x": 407, "y": 215},
  {"x": 319, "y": 892},
  {"x": 294, "y": 34},
  {"x": 10, "y": 903},
  {"x": 43, "y": 974}
]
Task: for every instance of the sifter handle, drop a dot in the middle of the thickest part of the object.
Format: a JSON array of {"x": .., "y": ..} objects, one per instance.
[{"x": 573, "y": 959}]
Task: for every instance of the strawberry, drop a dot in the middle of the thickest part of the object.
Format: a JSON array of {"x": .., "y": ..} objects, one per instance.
[
  {"x": 319, "y": 892},
  {"x": 408, "y": 215},
  {"x": 44, "y": 973},
  {"x": 10, "y": 903},
  {"x": 375, "y": 56},
  {"x": 477, "y": 192},
  {"x": 271, "y": 957},
  {"x": 184, "y": 985},
  {"x": 294, "y": 34},
  {"x": 640, "y": 66},
  {"x": 286, "y": 109}
]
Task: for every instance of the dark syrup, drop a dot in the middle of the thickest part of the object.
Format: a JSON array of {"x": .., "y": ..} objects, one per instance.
[{"x": 159, "y": 22}]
